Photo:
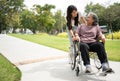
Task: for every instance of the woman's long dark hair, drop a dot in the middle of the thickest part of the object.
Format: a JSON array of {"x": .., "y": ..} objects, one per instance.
[{"x": 69, "y": 16}]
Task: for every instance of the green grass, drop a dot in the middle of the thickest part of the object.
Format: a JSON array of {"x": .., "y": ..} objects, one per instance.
[
  {"x": 112, "y": 46},
  {"x": 113, "y": 49},
  {"x": 8, "y": 72},
  {"x": 47, "y": 40}
]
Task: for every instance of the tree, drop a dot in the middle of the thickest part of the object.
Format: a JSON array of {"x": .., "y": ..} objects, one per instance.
[
  {"x": 44, "y": 17},
  {"x": 98, "y": 9},
  {"x": 107, "y": 16},
  {"x": 28, "y": 20},
  {"x": 3, "y": 13},
  {"x": 9, "y": 13},
  {"x": 112, "y": 16},
  {"x": 60, "y": 21}
]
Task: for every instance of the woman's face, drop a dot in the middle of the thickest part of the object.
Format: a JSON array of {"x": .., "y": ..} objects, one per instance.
[
  {"x": 74, "y": 14},
  {"x": 89, "y": 19}
]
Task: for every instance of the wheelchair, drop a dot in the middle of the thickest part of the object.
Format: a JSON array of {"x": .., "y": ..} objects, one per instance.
[{"x": 76, "y": 59}]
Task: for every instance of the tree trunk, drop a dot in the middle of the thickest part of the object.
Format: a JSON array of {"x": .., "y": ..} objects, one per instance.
[
  {"x": 34, "y": 31},
  {"x": 111, "y": 30},
  {"x": 24, "y": 30},
  {"x": 21, "y": 30},
  {"x": 0, "y": 29},
  {"x": 14, "y": 30}
]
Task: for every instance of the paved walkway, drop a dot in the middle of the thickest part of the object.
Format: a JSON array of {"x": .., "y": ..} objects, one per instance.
[
  {"x": 41, "y": 63},
  {"x": 21, "y": 51}
]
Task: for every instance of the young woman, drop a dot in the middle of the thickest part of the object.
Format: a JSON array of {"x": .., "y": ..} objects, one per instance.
[
  {"x": 73, "y": 19},
  {"x": 88, "y": 42}
]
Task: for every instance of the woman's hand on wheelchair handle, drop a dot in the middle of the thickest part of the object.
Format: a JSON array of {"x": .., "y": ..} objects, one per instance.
[
  {"x": 73, "y": 38},
  {"x": 76, "y": 38}
]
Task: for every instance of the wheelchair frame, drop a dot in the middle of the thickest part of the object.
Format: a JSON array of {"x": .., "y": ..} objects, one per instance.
[{"x": 75, "y": 56}]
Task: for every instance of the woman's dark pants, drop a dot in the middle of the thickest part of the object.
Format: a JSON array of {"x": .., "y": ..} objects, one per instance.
[{"x": 97, "y": 47}]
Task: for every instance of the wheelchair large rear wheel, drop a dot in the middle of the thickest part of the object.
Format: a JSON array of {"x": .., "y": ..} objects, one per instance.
[
  {"x": 73, "y": 61},
  {"x": 73, "y": 56}
]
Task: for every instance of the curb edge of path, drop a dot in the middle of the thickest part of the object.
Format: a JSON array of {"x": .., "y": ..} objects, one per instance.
[{"x": 39, "y": 60}]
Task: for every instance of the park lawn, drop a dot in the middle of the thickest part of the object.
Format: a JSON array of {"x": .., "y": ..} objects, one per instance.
[
  {"x": 8, "y": 71},
  {"x": 113, "y": 49},
  {"x": 112, "y": 46},
  {"x": 47, "y": 40}
]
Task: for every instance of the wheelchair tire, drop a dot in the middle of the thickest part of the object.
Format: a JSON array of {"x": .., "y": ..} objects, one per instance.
[
  {"x": 73, "y": 62},
  {"x": 77, "y": 71},
  {"x": 73, "y": 56},
  {"x": 97, "y": 62}
]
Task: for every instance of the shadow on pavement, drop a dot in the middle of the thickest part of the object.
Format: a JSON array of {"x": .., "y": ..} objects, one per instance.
[{"x": 61, "y": 70}]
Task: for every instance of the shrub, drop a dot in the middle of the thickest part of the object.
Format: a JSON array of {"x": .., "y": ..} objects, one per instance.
[
  {"x": 63, "y": 35},
  {"x": 116, "y": 35}
]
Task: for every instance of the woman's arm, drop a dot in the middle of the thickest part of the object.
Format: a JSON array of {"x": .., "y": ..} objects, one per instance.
[
  {"x": 71, "y": 32},
  {"x": 82, "y": 19},
  {"x": 74, "y": 35},
  {"x": 100, "y": 35}
]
